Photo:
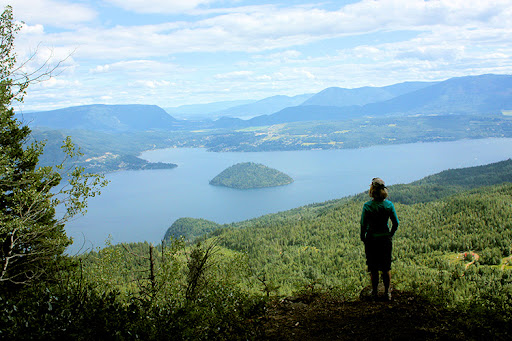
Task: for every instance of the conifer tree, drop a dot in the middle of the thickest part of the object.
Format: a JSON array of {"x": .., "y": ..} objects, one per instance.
[{"x": 32, "y": 237}]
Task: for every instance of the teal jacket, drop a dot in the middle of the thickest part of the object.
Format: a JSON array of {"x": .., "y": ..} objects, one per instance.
[{"x": 375, "y": 217}]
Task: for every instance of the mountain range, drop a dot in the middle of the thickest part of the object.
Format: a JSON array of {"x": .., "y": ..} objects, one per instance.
[
  {"x": 483, "y": 94},
  {"x": 239, "y": 109},
  {"x": 340, "y": 97},
  {"x": 204, "y": 111}
]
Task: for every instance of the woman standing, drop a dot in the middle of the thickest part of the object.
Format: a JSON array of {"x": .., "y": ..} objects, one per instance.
[{"x": 376, "y": 235}]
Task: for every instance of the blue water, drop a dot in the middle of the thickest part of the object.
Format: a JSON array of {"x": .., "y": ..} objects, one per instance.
[{"x": 141, "y": 205}]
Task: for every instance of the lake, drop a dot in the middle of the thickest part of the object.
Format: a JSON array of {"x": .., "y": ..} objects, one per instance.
[{"x": 141, "y": 205}]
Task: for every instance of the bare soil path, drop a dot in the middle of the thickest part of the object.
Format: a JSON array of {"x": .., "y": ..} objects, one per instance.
[{"x": 406, "y": 317}]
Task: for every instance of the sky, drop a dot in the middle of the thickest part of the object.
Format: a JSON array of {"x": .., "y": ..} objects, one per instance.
[{"x": 178, "y": 52}]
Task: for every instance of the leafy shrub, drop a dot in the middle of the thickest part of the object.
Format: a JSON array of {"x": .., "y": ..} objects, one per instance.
[{"x": 491, "y": 256}]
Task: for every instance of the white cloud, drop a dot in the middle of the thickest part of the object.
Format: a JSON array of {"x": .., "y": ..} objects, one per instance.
[
  {"x": 56, "y": 13},
  {"x": 152, "y": 84},
  {"x": 100, "y": 69},
  {"x": 159, "y": 6},
  {"x": 54, "y": 82},
  {"x": 414, "y": 13},
  {"x": 435, "y": 52},
  {"x": 268, "y": 28},
  {"x": 34, "y": 29},
  {"x": 265, "y": 78},
  {"x": 293, "y": 74},
  {"x": 235, "y": 75},
  {"x": 285, "y": 55},
  {"x": 132, "y": 66}
]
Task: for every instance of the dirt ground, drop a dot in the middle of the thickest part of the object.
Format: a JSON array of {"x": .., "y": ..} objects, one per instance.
[{"x": 405, "y": 317}]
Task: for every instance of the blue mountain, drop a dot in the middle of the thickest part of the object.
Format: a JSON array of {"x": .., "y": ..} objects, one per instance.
[
  {"x": 484, "y": 94},
  {"x": 100, "y": 117}
]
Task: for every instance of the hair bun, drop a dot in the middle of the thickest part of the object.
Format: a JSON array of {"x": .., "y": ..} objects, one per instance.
[{"x": 378, "y": 183}]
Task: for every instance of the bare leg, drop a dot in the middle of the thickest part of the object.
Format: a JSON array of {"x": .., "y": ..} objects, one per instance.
[
  {"x": 386, "y": 278},
  {"x": 374, "y": 275}
]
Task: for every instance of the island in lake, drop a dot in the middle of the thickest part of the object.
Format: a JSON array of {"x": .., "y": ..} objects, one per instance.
[{"x": 248, "y": 175}]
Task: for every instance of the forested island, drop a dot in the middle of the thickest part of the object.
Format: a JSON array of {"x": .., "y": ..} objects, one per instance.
[{"x": 247, "y": 175}]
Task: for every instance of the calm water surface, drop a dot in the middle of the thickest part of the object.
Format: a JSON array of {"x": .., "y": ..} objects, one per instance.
[{"x": 141, "y": 205}]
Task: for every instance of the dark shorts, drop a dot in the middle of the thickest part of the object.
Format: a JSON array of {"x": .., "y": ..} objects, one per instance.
[{"x": 378, "y": 253}]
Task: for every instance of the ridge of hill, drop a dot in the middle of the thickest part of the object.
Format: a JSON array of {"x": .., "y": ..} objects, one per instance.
[
  {"x": 101, "y": 117},
  {"x": 342, "y": 97},
  {"x": 203, "y": 111},
  {"x": 483, "y": 94},
  {"x": 265, "y": 106},
  {"x": 305, "y": 113},
  {"x": 241, "y": 108}
]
